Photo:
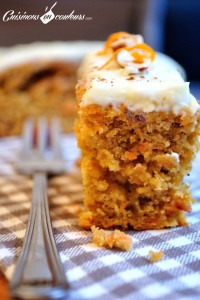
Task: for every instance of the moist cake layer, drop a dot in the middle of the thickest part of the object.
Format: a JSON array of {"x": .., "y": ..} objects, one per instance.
[{"x": 133, "y": 166}]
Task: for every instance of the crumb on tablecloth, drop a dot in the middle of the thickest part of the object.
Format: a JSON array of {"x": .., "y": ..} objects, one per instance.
[
  {"x": 156, "y": 255},
  {"x": 114, "y": 239}
]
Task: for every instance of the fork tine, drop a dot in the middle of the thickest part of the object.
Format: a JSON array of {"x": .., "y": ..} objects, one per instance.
[
  {"x": 55, "y": 132},
  {"x": 27, "y": 138},
  {"x": 42, "y": 137},
  {"x": 38, "y": 157}
]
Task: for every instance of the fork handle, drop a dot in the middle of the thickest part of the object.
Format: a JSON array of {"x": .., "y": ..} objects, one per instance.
[{"x": 39, "y": 273}]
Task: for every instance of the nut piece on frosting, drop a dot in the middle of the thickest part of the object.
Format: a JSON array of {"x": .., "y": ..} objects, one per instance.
[
  {"x": 121, "y": 39},
  {"x": 128, "y": 51}
]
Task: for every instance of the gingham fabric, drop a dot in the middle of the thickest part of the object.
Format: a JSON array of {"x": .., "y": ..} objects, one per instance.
[{"x": 92, "y": 272}]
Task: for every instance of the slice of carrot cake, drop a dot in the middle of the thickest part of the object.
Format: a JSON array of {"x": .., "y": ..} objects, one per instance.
[{"x": 137, "y": 129}]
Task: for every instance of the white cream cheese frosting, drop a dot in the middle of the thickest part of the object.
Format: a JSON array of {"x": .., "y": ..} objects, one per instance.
[{"x": 159, "y": 88}]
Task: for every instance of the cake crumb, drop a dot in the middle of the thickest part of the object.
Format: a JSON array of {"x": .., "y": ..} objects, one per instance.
[
  {"x": 114, "y": 239},
  {"x": 156, "y": 255},
  {"x": 130, "y": 78}
]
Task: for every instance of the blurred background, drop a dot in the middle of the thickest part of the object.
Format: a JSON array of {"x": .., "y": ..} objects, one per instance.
[{"x": 169, "y": 26}]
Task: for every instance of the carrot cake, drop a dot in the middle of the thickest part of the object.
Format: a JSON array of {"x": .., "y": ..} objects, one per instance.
[{"x": 137, "y": 128}]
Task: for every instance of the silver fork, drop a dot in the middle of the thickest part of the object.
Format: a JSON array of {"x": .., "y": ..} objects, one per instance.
[{"x": 39, "y": 273}]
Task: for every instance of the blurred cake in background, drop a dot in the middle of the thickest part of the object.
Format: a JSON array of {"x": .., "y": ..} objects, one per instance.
[{"x": 39, "y": 80}]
